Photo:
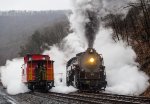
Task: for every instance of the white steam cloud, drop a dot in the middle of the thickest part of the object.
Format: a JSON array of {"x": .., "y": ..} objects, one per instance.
[
  {"x": 123, "y": 75},
  {"x": 11, "y": 76}
]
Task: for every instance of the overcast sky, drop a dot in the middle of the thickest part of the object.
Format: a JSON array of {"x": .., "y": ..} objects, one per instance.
[{"x": 34, "y": 5}]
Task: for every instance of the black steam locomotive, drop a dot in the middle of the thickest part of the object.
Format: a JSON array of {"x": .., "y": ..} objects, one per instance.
[{"x": 86, "y": 71}]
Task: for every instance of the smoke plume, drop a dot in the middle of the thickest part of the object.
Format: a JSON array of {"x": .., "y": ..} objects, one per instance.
[{"x": 88, "y": 11}]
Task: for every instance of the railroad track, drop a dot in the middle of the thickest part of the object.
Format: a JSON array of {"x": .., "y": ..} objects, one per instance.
[
  {"x": 92, "y": 98},
  {"x": 68, "y": 98},
  {"x": 118, "y": 98},
  {"x": 49, "y": 96},
  {"x": 35, "y": 98}
]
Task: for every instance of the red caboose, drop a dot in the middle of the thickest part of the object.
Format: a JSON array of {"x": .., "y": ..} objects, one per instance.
[{"x": 38, "y": 72}]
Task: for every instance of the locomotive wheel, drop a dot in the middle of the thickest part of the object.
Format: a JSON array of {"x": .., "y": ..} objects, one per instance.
[
  {"x": 68, "y": 82},
  {"x": 76, "y": 81}
]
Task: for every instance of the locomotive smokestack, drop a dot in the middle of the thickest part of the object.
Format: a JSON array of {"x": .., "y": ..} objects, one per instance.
[{"x": 91, "y": 27}]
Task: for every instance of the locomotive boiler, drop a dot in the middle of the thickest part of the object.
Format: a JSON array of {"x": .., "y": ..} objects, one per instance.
[
  {"x": 86, "y": 71},
  {"x": 37, "y": 72}
]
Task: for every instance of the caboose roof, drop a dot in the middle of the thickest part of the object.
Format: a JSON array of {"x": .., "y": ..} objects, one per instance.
[{"x": 36, "y": 57}]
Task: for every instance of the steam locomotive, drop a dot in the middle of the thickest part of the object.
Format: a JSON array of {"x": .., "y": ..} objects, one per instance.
[
  {"x": 37, "y": 72},
  {"x": 86, "y": 71}
]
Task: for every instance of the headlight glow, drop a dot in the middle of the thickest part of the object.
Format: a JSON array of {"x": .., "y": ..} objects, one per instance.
[{"x": 92, "y": 60}]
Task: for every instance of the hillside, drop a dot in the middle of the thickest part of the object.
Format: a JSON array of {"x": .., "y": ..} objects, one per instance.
[{"x": 17, "y": 26}]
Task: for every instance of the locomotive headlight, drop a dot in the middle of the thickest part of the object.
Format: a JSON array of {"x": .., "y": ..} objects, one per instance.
[{"x": 91, "y": 60}]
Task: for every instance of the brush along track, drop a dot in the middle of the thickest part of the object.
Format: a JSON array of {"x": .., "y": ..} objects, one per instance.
[{"x": 92, "y": 98}]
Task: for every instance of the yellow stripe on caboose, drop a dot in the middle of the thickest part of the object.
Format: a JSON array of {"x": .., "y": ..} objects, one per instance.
[
  {"x": 50, "y": 75},
  {"x": 52, "y": 71},
  {"x": 47, "y": 71},
  {"x": 30, "y": 73}
]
